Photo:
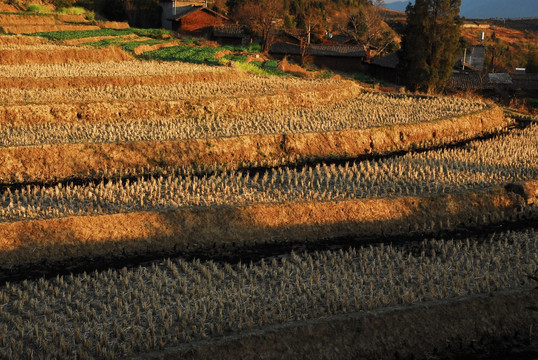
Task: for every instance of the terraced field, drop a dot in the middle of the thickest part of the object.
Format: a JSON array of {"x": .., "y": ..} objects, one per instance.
[{"x": 114, "y": 161}]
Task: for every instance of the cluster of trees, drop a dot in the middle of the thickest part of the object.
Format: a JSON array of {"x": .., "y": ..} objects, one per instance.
[
  {"x": 358, "y": 19},
  {"x": 431, "y": 44},
  {"x": 139, "y": 13}
]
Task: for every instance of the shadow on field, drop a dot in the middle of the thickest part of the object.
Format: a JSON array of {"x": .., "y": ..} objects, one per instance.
[{"x": 224, "y": 230}]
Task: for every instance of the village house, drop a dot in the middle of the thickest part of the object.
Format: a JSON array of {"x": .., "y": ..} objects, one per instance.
[
  {"x": 196, "y": 19},
  {"x": 348, "y": 58},
  {"x": 386, "y": 68},
  {"x": 331, "y": 55},
  {"x": 472, "y": 59}
]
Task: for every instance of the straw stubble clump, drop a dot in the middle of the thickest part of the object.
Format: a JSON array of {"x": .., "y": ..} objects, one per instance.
[
  {"x": 481, "y": 164},
  {"x": 123, "y": 69},
  {"x": 361, "y": 111},
  {"x": 130, "y": 311}
]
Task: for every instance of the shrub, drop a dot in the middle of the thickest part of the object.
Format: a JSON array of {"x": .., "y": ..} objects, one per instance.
[
  {"x": 39, "y": 9},
  {"x": 75, "y": 10},
  {"x": 90, "y": 15}
]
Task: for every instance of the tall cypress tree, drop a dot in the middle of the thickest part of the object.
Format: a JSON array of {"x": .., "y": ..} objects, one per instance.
[{"x": 430, "y": 44}]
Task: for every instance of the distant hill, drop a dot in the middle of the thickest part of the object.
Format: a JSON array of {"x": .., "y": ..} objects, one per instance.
[{"x": 484, "y": 9}]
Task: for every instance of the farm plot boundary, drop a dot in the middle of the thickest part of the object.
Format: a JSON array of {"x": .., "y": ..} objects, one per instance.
[
  {"x": 57, "y": 162},
  {"x": 95, "y": 81},
  {"x": 448, "y": 327},
  {"x": 75, "y": 55},
  {"x": 136, "y": 109},
  {"x": 57, "y": 239}
]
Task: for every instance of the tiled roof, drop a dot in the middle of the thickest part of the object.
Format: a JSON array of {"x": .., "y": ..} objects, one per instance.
[
  {"x": 500, "y": 79},
  {"x": 229, "y": 30},
  {"x": 525, "y": 81},
  {"x": 182, "y": 11},
  {"x": 319, "y": 50},
  {"x": 337, "y": 50},
  {"x": 390, "y": 61},
  {"x": 489, "y": 81},
  {"x": 468, "y": 81}
]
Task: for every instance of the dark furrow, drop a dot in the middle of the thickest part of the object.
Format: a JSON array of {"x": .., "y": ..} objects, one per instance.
[
  {"x": 233, "y": 254},
  {"x": 201, "y": 171}
]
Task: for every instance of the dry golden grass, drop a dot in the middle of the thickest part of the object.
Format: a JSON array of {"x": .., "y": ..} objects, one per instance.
[
  {"x": 36, "y": 47},
  {"x": 21, "y": 40},
  {"x": 116, "y": 313},
  {"x": 423, "y": 192},
  {"x": 247, "y": 86},
  {"x": 63, "y": 56},
  {"x": 26, "y": 19},
  {"x": 191, "y": 100},
  {"x": 509, "y": 158},
  {"x": 30, "y": 29},
  {"x": 118, "y": 81},
  {"x": 131, "y": 68},
  {"x": 145, "y": 48},
  {"x": 8, "y": 7},
  {"x": 205, "y": 228},
  {"x": 80, "y": 160},
  {"x": 112, "y": 25}
]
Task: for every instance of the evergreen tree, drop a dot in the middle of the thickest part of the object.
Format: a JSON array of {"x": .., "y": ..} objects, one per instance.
[{"x": 430, "y": 44}]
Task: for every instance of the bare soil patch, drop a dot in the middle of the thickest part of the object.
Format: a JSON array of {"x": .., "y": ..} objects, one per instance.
[
  {"x": 72, "y": 18},
  {"x": 293, "y": 69},
  {"x": 112, "y": 25},
  {"x": 8, "y": 8},
  {"x": 145, "y": 48}
]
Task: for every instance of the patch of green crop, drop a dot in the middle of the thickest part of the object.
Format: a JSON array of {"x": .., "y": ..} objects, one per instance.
[
  {"x": 235, "y": 57},
  {"x": 255, "y": 48},
  {"x": 251, "y": 68},
  {"x": 257, "y": 67},
  {"x": 191, "y": 54},
  {"x": 191, "y": 41},
  {"x": 271, "y": 67},
  {"x": 80, "y": 34},
  {"x": 69, "y": 35},
  {"x": 131, "y": 45},
  {"x": 153, "y": 33},
  {"x": 104, "y": 42}
]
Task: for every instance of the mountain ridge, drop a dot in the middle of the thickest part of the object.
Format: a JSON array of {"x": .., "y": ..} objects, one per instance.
[{"x": 485, "y": 9}]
